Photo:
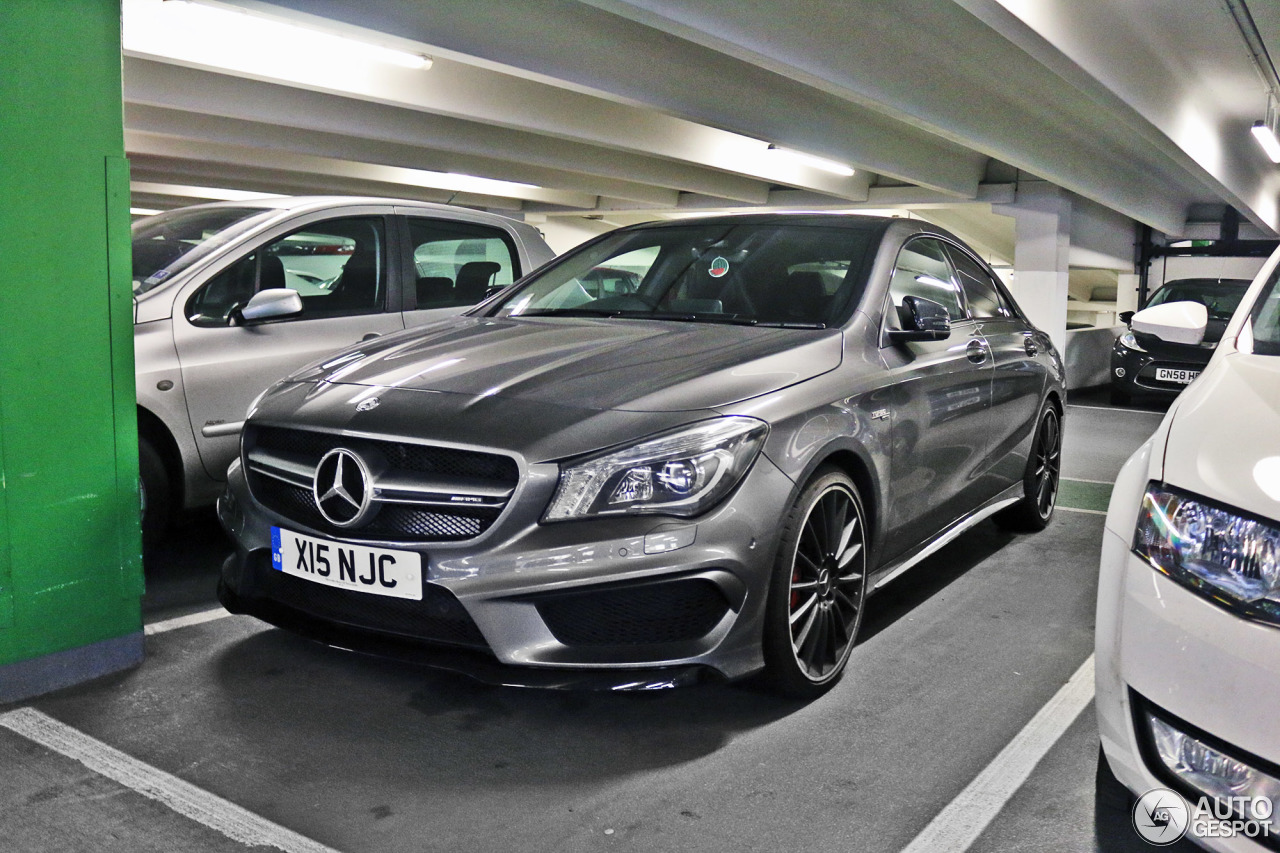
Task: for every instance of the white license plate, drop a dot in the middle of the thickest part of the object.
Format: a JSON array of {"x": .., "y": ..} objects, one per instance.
[
  {"x": 1182, "y": 377},
  {"x": 359, "y": 568}
]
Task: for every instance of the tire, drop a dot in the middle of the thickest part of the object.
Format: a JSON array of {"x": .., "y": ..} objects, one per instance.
[
  {"x": 155, "y": 494},
  {"x": 818, "y": 588},
  {"x": 1120, "y": 397},
  {"x": 1040, "y": 482}
]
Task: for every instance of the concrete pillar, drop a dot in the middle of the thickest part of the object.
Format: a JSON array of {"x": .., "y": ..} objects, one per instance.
[
  {"x": 1042, "y": 228},
  {"x": 1127, "y": 292},
  {"x": 70, "y": 548}
]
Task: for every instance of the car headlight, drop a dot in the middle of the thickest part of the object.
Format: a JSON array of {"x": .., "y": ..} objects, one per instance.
[
  {"x": 1231, "y": 558},
  {"x": 683, "y": 473},
  {"x": 1128, "y": 341}
]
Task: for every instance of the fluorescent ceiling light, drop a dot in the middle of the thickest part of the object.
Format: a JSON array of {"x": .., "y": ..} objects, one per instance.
[
  {"x": 184, "y": 191},
  {"x": 1267, "y": 139},
  {"x": 247, "y": 42},
  {"x": 810, "y": 160},
  {"x": 142, "y": 211}
]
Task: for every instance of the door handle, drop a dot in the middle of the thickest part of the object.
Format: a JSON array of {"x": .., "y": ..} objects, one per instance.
[
  {"x": 976, "y": 351},
  {"x": 370, "y": 336}
]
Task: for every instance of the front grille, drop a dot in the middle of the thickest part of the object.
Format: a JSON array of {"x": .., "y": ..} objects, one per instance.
[
  {"x": 665, "y": 612},
  {"x": 439, "y": 617},
  {"x": 395, "y": 523},
  {"x": 419, "y": 458},
  {"x": 449, "y": 469}
]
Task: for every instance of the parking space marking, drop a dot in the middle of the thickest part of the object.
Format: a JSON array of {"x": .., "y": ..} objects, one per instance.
[
  {"x": 957, "y": 826},
  {"x": 186, "y": 799},
  {"x": 1112, "y": 409},
  {"x": 1081, "y": 510},
  {"x": 185, "y": 621}
]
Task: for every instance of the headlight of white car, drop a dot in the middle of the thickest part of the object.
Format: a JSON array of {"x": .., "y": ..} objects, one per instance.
[
  {"x": 683, "y": 473},
  {"x": 1223, "y": 554}
]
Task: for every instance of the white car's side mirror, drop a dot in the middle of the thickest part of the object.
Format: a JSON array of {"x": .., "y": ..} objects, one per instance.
[{"x": 1173, "y": 322}]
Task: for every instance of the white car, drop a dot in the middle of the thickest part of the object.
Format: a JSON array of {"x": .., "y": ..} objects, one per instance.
[{"x": 1188, "y": 627}]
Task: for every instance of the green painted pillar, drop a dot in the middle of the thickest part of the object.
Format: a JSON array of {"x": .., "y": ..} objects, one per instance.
[{"x": 70, "y": 548}]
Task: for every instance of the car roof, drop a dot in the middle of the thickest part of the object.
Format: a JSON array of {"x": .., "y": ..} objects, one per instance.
[
  {"x": 841, "y": 220},
  {"x": 1208, "y": 283},
  {"x": 298, "y": 204}
]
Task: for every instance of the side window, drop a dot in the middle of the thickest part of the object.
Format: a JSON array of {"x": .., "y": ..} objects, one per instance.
[
  {"x": 455, "y": 263},
  {"x": 979, "y": 290},
  {"x": 923, "y": 270},
  {"x": 338, "y": 267}
]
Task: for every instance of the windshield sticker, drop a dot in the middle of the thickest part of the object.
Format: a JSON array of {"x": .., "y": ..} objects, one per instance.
[
  {"x": 157, "y": 277},
  {"x": 719, "y": 268}
]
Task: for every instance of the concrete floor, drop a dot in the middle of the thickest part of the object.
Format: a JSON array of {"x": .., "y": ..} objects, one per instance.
[{"x": 359, "y": 754}]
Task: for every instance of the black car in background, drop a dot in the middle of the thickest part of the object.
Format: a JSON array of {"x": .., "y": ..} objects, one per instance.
[{"x": 1147, "y": 366}]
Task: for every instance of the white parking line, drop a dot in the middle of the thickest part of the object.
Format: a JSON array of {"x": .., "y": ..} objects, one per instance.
[
  {"x": 1085, "y": 511},
  {"x": 185, "y": 621},
  {"x": 963, "y": 820},
  {"x": 182, "y": 797},
  {"x": 1111, "y": 409},
  {"x": 1083, "y": 480}
]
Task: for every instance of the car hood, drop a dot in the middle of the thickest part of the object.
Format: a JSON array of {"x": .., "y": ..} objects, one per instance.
[
  {"x": 1224, "y": 442},
  {"x": 631, "y": 365}
]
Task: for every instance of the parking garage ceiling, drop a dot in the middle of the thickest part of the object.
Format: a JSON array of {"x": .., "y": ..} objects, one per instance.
[{"x": 623, "y": 110}]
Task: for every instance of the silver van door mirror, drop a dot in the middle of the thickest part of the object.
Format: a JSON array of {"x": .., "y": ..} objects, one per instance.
[{"x": 272, "y": 304}]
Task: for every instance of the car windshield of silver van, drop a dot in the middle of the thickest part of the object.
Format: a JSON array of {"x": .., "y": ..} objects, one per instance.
[
  {"x": 167, "y": 243},
  {"x": 805, "y": 276}
]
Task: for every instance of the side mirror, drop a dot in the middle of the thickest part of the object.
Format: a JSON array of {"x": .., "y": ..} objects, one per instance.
[
  {"x": 272, "y": 304},
  {"x": 1125, "y": 316},
  {"x": 1173, "y": 322},
  {"x": 925, "y": 320}
]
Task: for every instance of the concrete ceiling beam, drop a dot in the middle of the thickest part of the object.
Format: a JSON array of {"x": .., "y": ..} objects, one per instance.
[{"x": 159, "y": 123}]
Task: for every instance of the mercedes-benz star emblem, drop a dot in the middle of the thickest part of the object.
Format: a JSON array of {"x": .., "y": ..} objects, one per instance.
[{"x": 343, "y": 489}]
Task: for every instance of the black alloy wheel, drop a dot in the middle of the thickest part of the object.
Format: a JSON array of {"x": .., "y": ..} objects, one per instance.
[
  {"x": 1040, "y": 483},
  {"x": 818, "y": 588}
]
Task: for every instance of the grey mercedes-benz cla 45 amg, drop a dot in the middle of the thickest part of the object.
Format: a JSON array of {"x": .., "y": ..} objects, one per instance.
[{"x": 683, "y": 450}]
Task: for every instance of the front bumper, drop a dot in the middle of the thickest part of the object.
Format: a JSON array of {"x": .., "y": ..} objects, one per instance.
[
  {"x": 1139, "y": 369},
  {"x": 1188, "y": 658},
  {"x": 639, "y": 601}
]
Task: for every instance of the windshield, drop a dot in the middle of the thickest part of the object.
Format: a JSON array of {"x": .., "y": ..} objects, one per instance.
[
  {"x": 1265, "y": 319},
  {"x": 752, "y": 274},
  {"x": 167, "y": 243},
  {"x": 1220, "y": 296}
]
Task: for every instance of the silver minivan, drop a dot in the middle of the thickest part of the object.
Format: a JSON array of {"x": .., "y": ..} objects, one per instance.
[{"x": 230, "y": 296}]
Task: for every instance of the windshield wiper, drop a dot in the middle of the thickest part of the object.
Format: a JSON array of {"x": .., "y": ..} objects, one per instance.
[
  {"x": 682, "y": 317},
  {"x": 674, "y": 316},
  {"x": 572, "y": 312}
]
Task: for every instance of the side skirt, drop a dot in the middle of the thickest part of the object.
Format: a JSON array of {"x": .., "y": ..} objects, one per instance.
[{"x": 1008, "y": 497}]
